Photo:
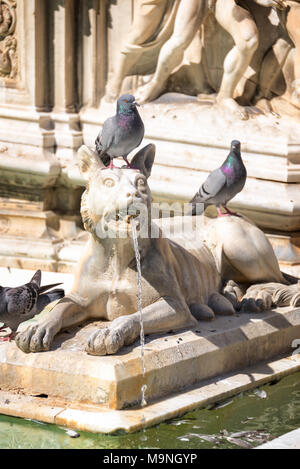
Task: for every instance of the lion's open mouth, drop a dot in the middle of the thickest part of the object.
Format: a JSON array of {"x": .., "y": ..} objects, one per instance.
[{"x": 120, "y": 221}]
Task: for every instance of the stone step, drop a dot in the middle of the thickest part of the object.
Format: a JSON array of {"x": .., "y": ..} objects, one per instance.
[{"x": 100, "y": 419}]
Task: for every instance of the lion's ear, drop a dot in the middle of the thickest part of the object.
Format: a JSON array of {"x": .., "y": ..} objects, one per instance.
[
  {"x": 144, "y": 159},
  {"x": 88, "y": 161}
]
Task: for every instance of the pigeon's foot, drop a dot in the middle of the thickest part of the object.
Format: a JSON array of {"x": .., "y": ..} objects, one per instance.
[
  {"x": 221, "y": 214},
  {"x": 149, "y": 92},
  {"x": 228, "y": 213},
  {"x": 231, "y": 105},
  {"x": 6, "y": 334},
  {"x": 128, "y": 165}
]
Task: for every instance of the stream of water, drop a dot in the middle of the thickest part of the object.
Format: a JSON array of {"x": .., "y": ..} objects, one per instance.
[{"x": 140, "y": 307}]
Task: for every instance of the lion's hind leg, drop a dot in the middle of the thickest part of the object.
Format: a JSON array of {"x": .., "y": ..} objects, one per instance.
[{"x": 263, "y": 297}]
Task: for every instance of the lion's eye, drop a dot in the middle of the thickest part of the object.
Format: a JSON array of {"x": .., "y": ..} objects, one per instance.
[
  {"x": 109, "y": 182},
  {"x": 140, "y": 183}
]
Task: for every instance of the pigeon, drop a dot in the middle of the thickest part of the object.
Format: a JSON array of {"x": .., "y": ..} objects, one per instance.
[
  {"x": 222, "y": 184},
  {"x": 121, "y": 133},
  {"x": 22, "y": 303}
]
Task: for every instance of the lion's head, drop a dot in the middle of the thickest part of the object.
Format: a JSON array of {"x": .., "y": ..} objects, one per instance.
[{"x": 114, "y": 197}]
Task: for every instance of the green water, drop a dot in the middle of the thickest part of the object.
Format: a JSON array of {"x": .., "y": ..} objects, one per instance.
[{"x": 264, "y": 418}]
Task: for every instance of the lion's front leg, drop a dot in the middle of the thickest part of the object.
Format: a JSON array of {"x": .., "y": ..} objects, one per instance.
[
  {"x": 38, "y": 337},
  {"x": 161, "y": 316}
]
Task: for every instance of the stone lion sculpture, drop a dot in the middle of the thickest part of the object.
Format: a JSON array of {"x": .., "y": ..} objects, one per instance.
[{"x": 228, "y": 265}]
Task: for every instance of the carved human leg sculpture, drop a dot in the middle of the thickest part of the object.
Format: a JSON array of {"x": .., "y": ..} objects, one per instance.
[
  {"x": 240, "y": 25},
  {"x": 292, "y": 25},
  {"x": 190, "y": 16},
  {"x": 147, "y": 18},
  {"x": 271, "y": 68}
]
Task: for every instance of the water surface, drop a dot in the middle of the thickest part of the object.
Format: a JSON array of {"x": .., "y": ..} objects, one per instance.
[{"x": 266, "y": 414}]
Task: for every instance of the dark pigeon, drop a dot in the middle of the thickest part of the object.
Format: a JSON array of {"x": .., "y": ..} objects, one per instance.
[
  {"x": 22, "y": 303},
  {"x": 222, "y": 184},
  {"x": 121, "y": 133}
]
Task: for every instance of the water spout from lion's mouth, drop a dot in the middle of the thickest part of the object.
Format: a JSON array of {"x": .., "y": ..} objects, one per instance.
[{"x": 140, "y": 307}]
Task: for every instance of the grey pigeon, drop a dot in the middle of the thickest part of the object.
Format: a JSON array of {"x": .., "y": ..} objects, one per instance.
[
  {"x": 222, "y": 184},
  {"x": 121, "y": 133},
  {"x": 22, "y": 303}
]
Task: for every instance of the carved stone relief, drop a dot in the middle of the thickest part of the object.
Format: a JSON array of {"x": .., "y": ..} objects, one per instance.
[
  {"x": 8, "y": 40},
  {"x": 240, "y": 52}
]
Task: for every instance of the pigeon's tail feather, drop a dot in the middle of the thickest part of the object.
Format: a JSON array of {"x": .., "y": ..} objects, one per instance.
[
  {"x": 56, "y": 294},
  {"x": 195, "y": 198},
  {"x": 104, "y": 157},
  {"x": 46, "y": 298},
  {"x": 48, "y": 287},
  {"x": 37, "y": 278},
  {"x": 98, "y": 146}
]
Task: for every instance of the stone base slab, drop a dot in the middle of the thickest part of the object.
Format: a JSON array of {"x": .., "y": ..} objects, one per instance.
[
  {"x": 173, "y": 361},
  {"x": 100, "y": 419}
]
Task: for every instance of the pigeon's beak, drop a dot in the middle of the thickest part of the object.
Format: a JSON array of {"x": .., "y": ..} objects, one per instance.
[{"x": 136, "y": 104}]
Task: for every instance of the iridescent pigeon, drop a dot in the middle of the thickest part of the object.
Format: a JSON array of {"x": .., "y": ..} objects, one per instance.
[
  {"x": 121, "y": 133},
  {"x": 22, "y": 303},
  {"x": 222, "y": 184}
]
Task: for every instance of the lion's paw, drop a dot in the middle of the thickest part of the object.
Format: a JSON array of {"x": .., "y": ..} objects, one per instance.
[
  {"x": 35, "y": 339},
  {"x": 105, "y": 342},
  {"x": 256, "y": 301},
  {"x": 122, "y": 331}
]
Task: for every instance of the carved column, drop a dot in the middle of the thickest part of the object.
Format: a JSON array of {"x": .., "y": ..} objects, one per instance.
[
  {"x": 25, "y": 128},
  {"x": 66, "y": 119},
  {"x": 95, "y": 16}
]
